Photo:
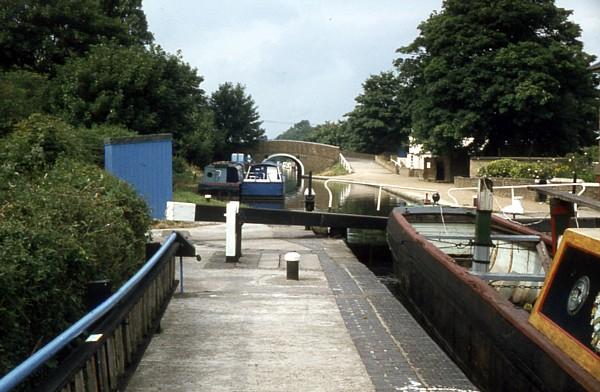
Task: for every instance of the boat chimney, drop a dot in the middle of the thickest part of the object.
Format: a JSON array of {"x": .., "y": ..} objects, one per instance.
[{"x": 483, "y": 226}]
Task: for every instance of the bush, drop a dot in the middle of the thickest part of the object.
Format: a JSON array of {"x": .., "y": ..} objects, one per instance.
[
  {"x": 499, "y": 168},
  {"x": 22, "y": 93},
  {"x": 575, "y": 163},
  {"x": 93, "y": 140},
  {"x": 74, "y": 224},
  {"x": 515, "y": 169},
  {"x": 38, "y": 142},
  {"x": 580, "y": 164}
]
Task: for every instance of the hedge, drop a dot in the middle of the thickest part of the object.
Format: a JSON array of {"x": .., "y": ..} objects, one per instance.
[{"x": 63, "y": 222}]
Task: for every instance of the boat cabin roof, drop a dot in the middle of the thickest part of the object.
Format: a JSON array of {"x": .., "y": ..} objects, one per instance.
[
  {"x": 591, "y": 233},
  {"x": 224, "y": 164}
]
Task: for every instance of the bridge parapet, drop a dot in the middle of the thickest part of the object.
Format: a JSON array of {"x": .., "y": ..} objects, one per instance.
[{"x": 315, "y": 157}]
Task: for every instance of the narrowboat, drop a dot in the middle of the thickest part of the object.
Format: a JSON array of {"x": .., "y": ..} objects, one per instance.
[
  {"x": 507, "y": 327},
  {"x": 222, "y": 178},
  {"x": 263, "y": 181}
]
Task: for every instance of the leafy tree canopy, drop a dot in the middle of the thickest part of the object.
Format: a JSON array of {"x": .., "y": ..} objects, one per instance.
[
  {"x": 147, "y": 91},
  {"x": 380, "y": 120},
  {"x": 236, "y": 116},
  {"x": 299, "y": 131},
  {"x": 22, "y": 93},
  {"x": 39, "y": 35},
  {"x": 510, "y": 76},
  {"x": 334, "y": 133}
]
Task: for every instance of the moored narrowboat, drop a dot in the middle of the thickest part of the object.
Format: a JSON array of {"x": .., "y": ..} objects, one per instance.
[
  {"x": 484, "y": 322},
  {"x": 263, "y": 181},
  {"x": 222, "y": 178}
]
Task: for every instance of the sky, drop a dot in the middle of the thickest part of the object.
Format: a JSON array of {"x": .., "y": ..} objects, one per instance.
[{"x": 304, "y": 59}]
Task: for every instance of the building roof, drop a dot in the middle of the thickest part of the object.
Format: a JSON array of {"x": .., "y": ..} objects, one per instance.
[{"x": 595, "y": 67}]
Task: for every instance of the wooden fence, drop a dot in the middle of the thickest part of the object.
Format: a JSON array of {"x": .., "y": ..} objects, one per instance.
[{"x": 111, "y": 338}]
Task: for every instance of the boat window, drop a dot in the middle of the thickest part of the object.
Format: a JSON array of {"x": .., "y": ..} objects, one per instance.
[
  {"x": 257, "y": 172},
  {"x": 209, "y": 174},
  {"x": 232, "y": 174},
  {"x": 272, "y": 173}
]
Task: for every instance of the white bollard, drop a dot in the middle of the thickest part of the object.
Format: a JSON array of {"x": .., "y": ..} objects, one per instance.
[{"x": 231, "y": 241}]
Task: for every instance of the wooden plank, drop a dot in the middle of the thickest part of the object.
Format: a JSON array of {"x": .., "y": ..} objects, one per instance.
[
  {"x": 544, "y": 256},
  {"x": 154, "y": 299},
  {"x": 135, "y": 326},
  {"x": 120, "y": 350},
  {"x": 103, "y": 368},
  {"x": 568, "y": 197},
  {"x": 79, "y": 382},
  {"x": 145, "y": 314},
  {"x": 127, "y": 339},
  {"x": 294, "y": 218},
  {"x": 91, "y": 375},
  {"x": 111, "y": 357}
]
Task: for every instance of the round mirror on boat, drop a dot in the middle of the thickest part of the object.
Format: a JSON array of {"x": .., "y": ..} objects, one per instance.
[{"x": 578, "y": 295}]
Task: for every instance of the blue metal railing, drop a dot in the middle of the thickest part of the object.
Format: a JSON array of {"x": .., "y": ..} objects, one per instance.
[{"x": 34, "y": 362}]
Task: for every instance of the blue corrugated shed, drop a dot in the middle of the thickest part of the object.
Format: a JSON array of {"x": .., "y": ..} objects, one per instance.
[{"x": 146, "y": 163}]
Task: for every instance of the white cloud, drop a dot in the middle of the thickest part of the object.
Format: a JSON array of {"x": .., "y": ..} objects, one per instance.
[{"x": 303, "y": 59}]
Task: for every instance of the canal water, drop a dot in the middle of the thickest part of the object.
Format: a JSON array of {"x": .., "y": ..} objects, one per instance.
[
  {"x": 369, "y": 246},
  {"x": 347, "y": 198}
]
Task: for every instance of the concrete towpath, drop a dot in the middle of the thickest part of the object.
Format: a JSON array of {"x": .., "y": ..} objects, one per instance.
[
  {"x": 369, "y": 171},
  {"x": 244, "y": 327}
]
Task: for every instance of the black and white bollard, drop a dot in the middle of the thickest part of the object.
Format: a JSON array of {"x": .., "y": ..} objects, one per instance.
[
  {"x": 483, "y": 226},
  {"x": 309, "y": 195},
  {"x": 292, "y": 264}
]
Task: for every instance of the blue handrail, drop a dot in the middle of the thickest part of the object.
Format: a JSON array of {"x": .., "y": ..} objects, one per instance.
[{"x": 31, "y": 364}]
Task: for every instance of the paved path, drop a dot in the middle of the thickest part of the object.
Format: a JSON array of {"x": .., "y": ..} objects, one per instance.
[
  {"x": 370, "y": 171},
  {"x": 244, "y": 327}
]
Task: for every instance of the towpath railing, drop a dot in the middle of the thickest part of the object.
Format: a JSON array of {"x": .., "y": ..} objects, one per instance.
[
  {"x": 345, "y": 164},
  {"x": 110, "y": 338},
  {"x": 583, "y": 186},
  {"x": 380, "y": 186}
]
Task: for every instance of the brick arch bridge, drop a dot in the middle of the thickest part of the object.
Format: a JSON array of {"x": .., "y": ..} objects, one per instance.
[{"x": 315, "y": 157}]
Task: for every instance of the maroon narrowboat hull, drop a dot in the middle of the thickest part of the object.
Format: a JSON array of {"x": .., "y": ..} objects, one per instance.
[{"x": 489, "y": 337}]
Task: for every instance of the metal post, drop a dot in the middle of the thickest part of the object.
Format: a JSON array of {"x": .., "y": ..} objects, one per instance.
[
  {"x": 181, "y": 274},
  {"x": 309, "y": 197},
  {"x": 483, "y": 226},
  {"x": 298, "y": 174},
  {"x": 379, "y": 199},
  {"x": 560, "y": 214}
]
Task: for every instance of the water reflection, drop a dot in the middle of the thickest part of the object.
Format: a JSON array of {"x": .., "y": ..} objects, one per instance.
[{"x": 347, "y": 198}]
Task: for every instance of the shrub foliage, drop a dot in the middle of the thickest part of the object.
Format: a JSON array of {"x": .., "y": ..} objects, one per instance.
[
  {"x": 579, "y": 164},
  {"x": 63, "y": 222}
]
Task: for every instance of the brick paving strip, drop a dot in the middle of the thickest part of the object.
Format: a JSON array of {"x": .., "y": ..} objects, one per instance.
[{"x": 396, "y": 351}]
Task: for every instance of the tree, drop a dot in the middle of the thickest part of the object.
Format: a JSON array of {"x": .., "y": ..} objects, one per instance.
[
  {"x": 38, "y": 35},
  {"x": 236, "y": 117},
  {"x": 380, "y": 120},
  {"x": 506, "y": 76},
  {"x": 22, "y": 93},
  {"x": 332, "y": 133},
  {"x": 299, "y": 131},
  {"x": 144, "y": 90}
]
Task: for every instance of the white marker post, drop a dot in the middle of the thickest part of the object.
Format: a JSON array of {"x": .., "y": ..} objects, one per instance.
[{"x": 233, "y": 232}]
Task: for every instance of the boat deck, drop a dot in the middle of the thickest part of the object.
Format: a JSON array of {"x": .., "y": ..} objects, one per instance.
[{"x": 244, "y": 327}]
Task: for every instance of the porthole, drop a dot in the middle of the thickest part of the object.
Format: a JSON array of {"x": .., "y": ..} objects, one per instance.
[{"x": 578, "y": 295}]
